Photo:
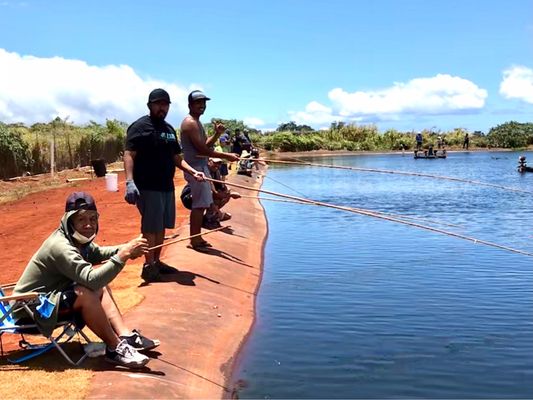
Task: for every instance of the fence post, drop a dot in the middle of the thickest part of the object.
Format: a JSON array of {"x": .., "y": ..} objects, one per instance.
[{"x": 52, "y": 156}]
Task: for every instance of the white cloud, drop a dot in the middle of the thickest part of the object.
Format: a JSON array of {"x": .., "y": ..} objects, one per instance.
[
  {"x": 517, "y": 83},
  {"x": 315, "y": 114},
  {"x": 441, "y": 94},
  {"x": 34, "y": 89},
  {"x": 254, "y": 122}
]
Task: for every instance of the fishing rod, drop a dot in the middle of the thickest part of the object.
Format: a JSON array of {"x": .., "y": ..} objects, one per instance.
[
  {"x": 381, "y": 212},
  {"x": 188, "y": 237},
  {"x": 389, "y": 171},
  {"x": 377, "y": 215},
  {"x": 401, "y": 216}
]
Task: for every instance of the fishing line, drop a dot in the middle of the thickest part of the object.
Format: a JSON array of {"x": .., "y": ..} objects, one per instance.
[
  {"x": 283, "y": 184},
  {"x": 377, "y": 215},
  {"x": 189, "y": 237},
  {"x": 389, "y": 171}
]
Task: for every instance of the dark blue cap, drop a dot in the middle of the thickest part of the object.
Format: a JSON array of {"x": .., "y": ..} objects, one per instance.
[{"x": 80, "y": 201}]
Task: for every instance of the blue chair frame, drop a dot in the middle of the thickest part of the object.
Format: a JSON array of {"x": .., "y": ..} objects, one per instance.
[{"x": 68, "y": 329}]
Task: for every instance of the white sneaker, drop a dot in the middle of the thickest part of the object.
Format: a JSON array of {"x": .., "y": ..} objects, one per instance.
[{"x": 126, "y": 356}]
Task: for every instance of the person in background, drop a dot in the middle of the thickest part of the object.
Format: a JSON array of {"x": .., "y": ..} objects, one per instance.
[
  {"x": 221, "y": 147},
  {"x": 236, "y": 143},
  {"x": 466, "y": 141},
  {"x": 246, "y": 134},
  {"x": 419, "y": 141},
  {"x": 522, "y": 164},
  {"x": 197, "y": 147},
  {"x": 63, "y": 269},
  {"x": 150, "y": 160},
  {"x": 221, "y": 196}
]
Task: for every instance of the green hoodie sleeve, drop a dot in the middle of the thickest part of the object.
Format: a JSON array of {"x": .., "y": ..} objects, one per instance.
[
  {"x": 98, "y": 254},
  {"x": 71, "y": 264}
]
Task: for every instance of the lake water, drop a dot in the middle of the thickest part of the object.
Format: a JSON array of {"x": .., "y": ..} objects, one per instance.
[{"x": 356, "y": 307}]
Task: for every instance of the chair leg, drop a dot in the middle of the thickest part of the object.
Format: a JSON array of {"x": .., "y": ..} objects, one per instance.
[{"x": 37, "y": 350}]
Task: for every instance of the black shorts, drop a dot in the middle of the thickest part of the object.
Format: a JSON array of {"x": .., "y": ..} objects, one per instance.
[
  {"x": 223, "y": 169},
  {"x": 65, "y": 311},
  {"x": 66, "y": 301}
]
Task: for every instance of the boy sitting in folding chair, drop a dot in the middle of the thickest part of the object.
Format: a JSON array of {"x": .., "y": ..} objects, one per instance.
[{"x": 63, "y": 269}]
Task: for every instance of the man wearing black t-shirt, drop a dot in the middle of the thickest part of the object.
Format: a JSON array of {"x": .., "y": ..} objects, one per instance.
[{"x": 150, "y": 160}]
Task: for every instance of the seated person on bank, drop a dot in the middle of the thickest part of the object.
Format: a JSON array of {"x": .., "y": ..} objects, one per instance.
[
  {"x": 63, "y": 269},
  {"x": 221, "y": 196}
]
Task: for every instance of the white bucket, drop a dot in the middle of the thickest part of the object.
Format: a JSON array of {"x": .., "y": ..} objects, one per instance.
[{"x": 111, "y": 182}]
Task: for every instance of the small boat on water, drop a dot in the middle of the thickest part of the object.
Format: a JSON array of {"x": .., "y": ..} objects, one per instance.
[
  {"x": 430, "y": 154},
  {"x": 522, "y": 166}
]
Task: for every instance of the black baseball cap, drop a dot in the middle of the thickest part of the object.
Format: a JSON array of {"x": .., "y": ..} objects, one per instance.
[
  {"x": 197, "y": 95},
  {"x": 80, "y": 201},
  {"x": 157, "y": 95}
]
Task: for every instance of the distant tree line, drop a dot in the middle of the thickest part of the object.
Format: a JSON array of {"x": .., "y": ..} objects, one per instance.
[
  {"x": 28, "y": 149},
  {"x": 353, "y": 137}
]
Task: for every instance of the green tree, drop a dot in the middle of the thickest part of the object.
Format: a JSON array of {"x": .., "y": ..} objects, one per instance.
[
  {"x": 511, "y": 134},
  {"x": 15, "y": 157}
]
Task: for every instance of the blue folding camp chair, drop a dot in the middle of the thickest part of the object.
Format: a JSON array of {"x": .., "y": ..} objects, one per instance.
[{"x": 67, "y": 328}]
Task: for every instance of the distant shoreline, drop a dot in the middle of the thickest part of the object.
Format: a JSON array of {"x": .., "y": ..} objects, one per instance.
[{"x": 325, "y": 153}]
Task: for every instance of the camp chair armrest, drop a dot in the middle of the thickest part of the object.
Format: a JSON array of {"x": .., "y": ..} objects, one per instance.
[
  {"x": 18, "y": 297},
  {"x": 8, "y": 285}
]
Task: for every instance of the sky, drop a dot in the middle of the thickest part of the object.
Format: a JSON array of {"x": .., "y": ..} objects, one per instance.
[{"x": 404, "y": 64}]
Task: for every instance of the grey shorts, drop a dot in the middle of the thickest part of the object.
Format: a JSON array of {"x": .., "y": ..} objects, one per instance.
[
  {"x": 158, "y": 210},
  {"x": 202, "y": 196}
]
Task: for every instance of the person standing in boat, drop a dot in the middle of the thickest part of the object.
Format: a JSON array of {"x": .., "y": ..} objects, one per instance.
[
  {"x": 522, "y": 163},
  {"x": 419, "y": 141}
]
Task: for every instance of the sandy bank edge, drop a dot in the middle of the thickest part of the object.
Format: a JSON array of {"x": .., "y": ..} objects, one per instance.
[{"x": 202, "y": 316}]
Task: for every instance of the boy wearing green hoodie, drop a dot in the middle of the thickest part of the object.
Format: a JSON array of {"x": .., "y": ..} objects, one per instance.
[{"x": 63, "y": 269}]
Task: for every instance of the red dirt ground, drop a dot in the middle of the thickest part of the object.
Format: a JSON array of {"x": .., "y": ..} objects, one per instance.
[{"x": 26, "y": 223}]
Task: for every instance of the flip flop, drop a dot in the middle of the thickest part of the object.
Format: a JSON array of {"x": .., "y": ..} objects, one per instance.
[
  {"x": 199, "y": 249},
  {"x": 202, "y": 245}
]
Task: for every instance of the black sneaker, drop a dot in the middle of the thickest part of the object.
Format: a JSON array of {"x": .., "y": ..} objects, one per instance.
[
  {"x": 150, "y": 273},
  {"x": 140, "y": 342},
  {"x": 166, "y": 269},
  {"x": 211, "y": 224},
  {"x": 126, "y": 356}
]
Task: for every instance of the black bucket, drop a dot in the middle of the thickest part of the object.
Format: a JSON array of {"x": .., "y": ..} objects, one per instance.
[{"x": 99, "y": 167}]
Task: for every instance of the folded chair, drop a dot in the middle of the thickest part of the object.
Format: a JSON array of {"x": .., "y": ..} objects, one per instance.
[{"x": 67, "y": 328}]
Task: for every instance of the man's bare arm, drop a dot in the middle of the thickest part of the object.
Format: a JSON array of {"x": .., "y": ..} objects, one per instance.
[
  {"x": 129, "y": 157},
  {"x": 190, "y": 128}
]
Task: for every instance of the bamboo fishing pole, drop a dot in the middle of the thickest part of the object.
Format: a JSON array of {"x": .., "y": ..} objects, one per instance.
[
  {"x": 187, "y": 238},
  {"x": 389, "y": 171},
  {"x": 373, "y": 214},
  {"x": 379, "y": 212}
]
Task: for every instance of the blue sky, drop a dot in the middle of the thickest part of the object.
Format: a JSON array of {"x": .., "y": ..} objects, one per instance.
[{"x": 404, "y": 64}]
